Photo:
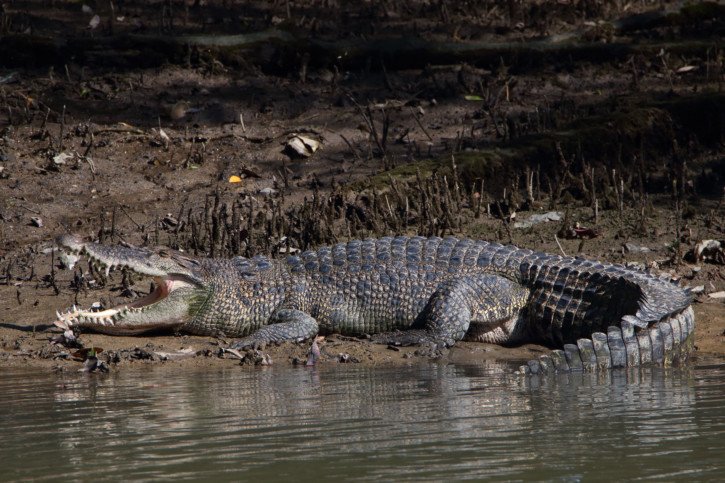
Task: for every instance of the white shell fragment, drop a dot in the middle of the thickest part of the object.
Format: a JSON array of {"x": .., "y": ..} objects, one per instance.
[
  {"x": 61, "y": 158},
  {"x": 267, "y": 192},
  {"x": 303, "y": 145}
]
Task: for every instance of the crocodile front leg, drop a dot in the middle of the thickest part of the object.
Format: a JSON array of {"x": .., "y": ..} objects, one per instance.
[{"x": 288, "y": 325}]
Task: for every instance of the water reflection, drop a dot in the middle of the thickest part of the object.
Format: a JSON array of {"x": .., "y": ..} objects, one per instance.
[{"x": 423, "y": 422}]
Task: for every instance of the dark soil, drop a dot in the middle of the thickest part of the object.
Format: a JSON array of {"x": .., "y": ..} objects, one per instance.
[{"x": 434, "y": 118}]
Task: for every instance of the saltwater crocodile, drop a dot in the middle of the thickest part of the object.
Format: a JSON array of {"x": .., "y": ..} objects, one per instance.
[{"x": 406, "y": 289}]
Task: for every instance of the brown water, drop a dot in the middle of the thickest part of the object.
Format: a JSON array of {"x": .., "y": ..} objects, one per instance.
[{"x": 348, "y": 422}]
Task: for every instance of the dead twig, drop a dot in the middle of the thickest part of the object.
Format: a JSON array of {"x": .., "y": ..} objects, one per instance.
[
  {"x": 420, "y": 124},
  {"x": 349, "y": 145},
  {"x": 130, "y": 218},
  {"x": 556, "y": 238}
]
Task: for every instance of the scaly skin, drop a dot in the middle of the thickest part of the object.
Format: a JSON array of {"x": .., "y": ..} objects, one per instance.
[{"x": 440, "y": 290}]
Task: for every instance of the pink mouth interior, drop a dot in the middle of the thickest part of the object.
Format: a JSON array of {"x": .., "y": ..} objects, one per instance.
[{"x": 163, "y": 287}]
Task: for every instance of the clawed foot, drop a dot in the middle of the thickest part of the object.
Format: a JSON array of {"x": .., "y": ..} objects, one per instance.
[{"x": 249, "y": 342}]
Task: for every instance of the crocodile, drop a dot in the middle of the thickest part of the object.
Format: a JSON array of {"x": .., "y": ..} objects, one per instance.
[{"x": 406, "y": 290}]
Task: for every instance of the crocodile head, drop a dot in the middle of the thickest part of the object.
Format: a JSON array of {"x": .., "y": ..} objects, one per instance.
[{"x": 179, "y": 292}]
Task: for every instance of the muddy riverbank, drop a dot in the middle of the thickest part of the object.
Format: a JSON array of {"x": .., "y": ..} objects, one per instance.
[{"x": 328, "y": 125}]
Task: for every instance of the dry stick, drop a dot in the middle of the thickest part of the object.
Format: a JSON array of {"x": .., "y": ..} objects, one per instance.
[
  {"x": 113, "y": 222},
  {"x": 250, "y": 226},
  {"x": 156, "y": 230},
  {"x": 354, "y": 152},
  {"x": 678, "y": 256},
  {"x": 91, "y": 165},
  {"x": 384, "y": 142},
  {"x": 43, "y": 126},
  {"x": 388, "y": 84},
  {"x": 407, "y": 208},
  {"x": 52, "y": 273},
  {"x": 8, "y": 273},
  {"x": 132, "y": 220},
  {"x": 456, "y": 184},
  {"x": 368, "y": 118},
  {"x": 91, "y": 143},
  {"x": 62, "y": 126},
  {"x": 595, "y": 201},
  {"x": 187, "y": 163},
  {"x": 393, "y": 218},
  {"x": 420, "y": 124},
  {"x": 560, "y": 248},
  {"x": 480, "y": 199},
  {"x": 29, "y": 209},
  {"x": 596, "y": 211},
  {"x": 459, "y": 141},
  {"x": 621, "y": 200},
  {"x": 178, "y": 224},
  {"x": 285, "y": 177},
  {"x": 447, "y": 202},
  {"x": 216, "y": 229},
  {"x": 101, "y": 231},
  {"x": 635, "y": 80},
  {"x": 506, "y": 223},
  {"x": 661, "y": 55}
]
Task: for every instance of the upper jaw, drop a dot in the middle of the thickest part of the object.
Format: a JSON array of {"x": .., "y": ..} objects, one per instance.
[{"x": 144, "y": 261}]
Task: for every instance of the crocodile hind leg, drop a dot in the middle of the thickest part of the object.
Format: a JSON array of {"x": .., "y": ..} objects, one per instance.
[
  {"x": 663, "y": 342},
  {"x": 288, "y": 325},
  {"x": 480, "y": 307}
]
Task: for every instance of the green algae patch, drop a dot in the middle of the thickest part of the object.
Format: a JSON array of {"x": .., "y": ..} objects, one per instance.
[{"x": 490, "y": 163}]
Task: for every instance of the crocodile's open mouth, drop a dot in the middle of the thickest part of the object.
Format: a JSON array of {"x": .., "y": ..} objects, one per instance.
[
  {"x": 109, "y": 317},
  {"x": 167, "y": 306}
]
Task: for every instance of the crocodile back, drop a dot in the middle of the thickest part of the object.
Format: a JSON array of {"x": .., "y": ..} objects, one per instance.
[{"x": 376, "y": 285}]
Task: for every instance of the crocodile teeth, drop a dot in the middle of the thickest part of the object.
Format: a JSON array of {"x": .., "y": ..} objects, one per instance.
[{"x": 108, "y": 270}]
